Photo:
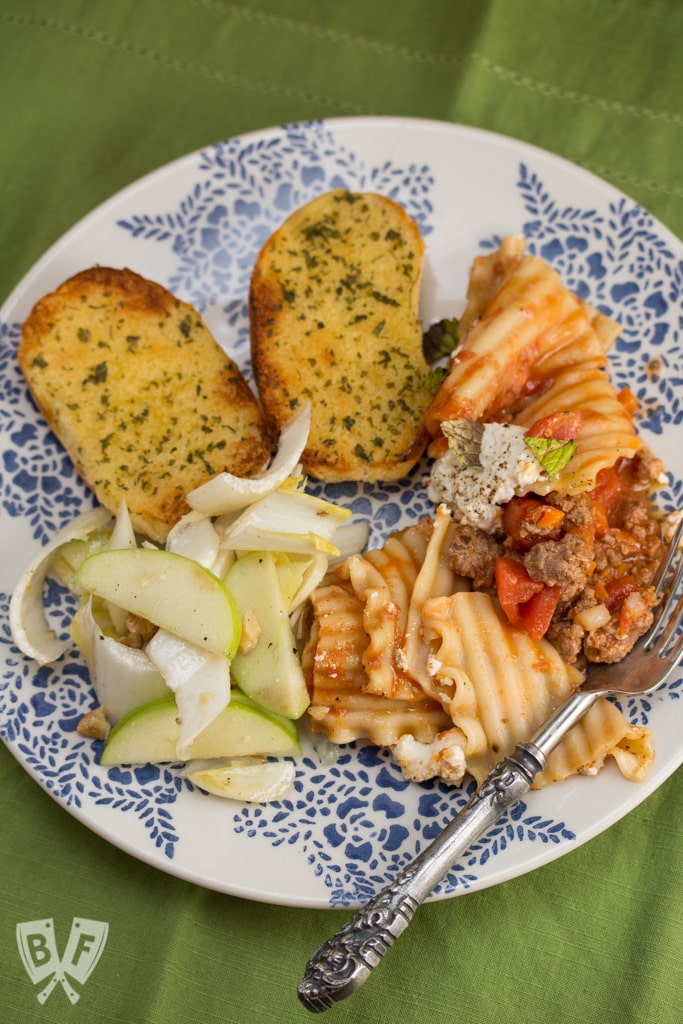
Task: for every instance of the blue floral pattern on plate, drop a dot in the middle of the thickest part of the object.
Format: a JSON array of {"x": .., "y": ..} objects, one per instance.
[{"x": 358, "y": 821}]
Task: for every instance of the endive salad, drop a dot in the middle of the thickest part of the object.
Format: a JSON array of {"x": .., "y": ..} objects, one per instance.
[{"x": 192, "y": 647}]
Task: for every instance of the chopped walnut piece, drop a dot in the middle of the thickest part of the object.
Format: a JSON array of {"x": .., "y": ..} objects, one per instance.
[
  {"x": 251, "y": 631},
  {"x": 94, "y": 725},
  {"x": 140, "y": 631}
]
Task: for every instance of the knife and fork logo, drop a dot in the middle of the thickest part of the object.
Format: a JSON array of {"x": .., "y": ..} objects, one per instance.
[{"x": 37, "y": 945}]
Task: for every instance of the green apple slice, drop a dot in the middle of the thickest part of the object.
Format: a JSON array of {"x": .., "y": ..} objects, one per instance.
[
  {"x": 170, "y": 590},
  {"x": 250, "y": 779},
  {"x": 270, "y": 672},
  {"x": 149, "y": 734},
  {"x": 70, "y": 555}
]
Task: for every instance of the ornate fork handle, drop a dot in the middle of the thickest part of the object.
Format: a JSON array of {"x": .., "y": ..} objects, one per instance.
[{"x": 341, "y": 965}]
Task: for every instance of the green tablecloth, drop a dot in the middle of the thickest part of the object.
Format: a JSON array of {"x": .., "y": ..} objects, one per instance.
[{"x": 95, "y": 94}]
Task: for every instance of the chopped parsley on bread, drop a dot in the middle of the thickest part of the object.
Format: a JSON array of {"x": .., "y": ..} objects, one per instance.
[
  {"x": 143, "y": 398},
  {"x": 334, "y": 320}
]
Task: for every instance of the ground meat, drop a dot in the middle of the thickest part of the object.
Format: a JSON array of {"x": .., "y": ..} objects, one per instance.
[
  {"x": 636, "y": 521},
  {"x": 604, "y": 550},
  {"x": 647, "y": 468},
  {"x": 607, "y": 553},
  {"x": 647, "y": 531},
  {"x": 567, "y": 637},
  {"x": 611, "y": 642},
  {"x": 473, "y": 554},
  {"x": 586, "y": 599},
  {"x": 578, "y": 511},
  {"x": 532, "y": 533},
  {"x": 627, "y": 545},
  {"x": 564, "y": 563},
  {"x": 619, "y": 547}
]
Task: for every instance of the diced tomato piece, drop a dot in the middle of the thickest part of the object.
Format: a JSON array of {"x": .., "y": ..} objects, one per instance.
[
  {"x": 618, "y": 589},
  {"x": 600, "y": 520},
  {"x": 607, "y": 490},
  {"x": 515, "y": 513},
  {"x": 514, "y": 584},
  {"x": 605, "y": 498},
  {"x": 528, "y": 604},
  {"x": 522, "y": 510},
  {"x": 561, "y": 426},
  {"x": 539, "y": 610},
  {"x": 629, "y": 615}
]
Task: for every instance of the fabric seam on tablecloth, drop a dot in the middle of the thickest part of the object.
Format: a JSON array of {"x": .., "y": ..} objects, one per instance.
[
  {"x": 192, "y": 67},
  {"x": 448, "y": 60}
]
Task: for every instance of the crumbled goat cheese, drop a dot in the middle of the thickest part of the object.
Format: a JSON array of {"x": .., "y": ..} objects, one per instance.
[
  {"x": 444, "y": 757},
  {"x": 434, "y": 666},
  {"x": 401, "y": 660},
  {"x": 474, "y": 494}
]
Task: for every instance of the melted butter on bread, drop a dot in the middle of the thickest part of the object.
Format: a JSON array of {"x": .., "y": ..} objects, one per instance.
[
  {"x": 334, "y": 320},
  {"x": 140, "y": 394}
]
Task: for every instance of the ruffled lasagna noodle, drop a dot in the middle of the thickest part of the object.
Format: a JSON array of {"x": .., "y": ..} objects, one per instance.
[
  {"x": 342, "y": 706},
  {"x": 524, "y": 334},
  {"x": 572, "y": 544},
  {"x": 400, "y": 653}
]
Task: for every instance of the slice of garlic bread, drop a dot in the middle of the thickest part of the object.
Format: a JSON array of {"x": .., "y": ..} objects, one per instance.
[
  {"x": 140, "y": 394},
  {"x": 334, "y": 320}
]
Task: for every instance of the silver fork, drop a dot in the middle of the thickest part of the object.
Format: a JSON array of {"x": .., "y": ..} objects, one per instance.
[{"x": 341, "y": 965}]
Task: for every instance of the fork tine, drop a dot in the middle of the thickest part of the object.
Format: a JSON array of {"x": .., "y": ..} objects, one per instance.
[
  {"x": 676, "y": 652},
  {"x": 667, "y": 582},
  {"x": 672, "y": 590},
  {"x": 668, "y": 644},
  {"x": 659, "y": 581}
]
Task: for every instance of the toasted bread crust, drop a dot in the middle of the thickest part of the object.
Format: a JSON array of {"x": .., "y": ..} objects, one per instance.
[
  {"x": 334, "y": 320},
  {"x": 140, "y": 394}
]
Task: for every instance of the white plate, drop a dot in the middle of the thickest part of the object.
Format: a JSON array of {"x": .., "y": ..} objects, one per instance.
[{"x": 195, "y": 226}]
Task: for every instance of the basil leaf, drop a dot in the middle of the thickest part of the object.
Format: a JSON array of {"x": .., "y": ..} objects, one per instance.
[
  {"x": 552, "y": 453},
  {"x": 464, "y": 440}
]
